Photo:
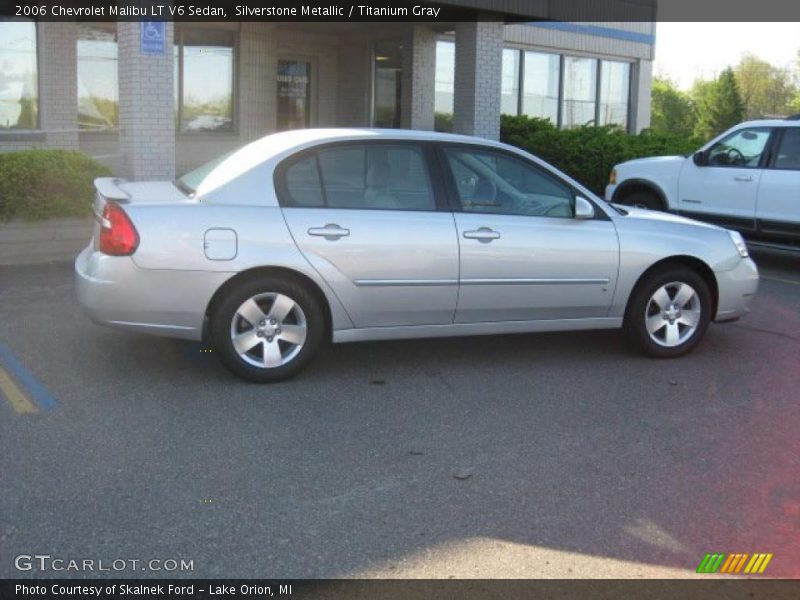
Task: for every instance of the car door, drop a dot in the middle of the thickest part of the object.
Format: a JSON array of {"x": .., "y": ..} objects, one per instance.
[
  {"x": 369, "y": 219},
  {"x": 524, "y": 256},
  {"x": 778, "y": 206},
  {"x": 723, "y": 187}
]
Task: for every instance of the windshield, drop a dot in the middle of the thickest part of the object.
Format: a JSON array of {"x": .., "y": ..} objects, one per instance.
[{"x": 189, "y": 182}]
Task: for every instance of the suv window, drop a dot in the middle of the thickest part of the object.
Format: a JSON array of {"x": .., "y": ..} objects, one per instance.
[
  {"x": 494, "y": 182},
  {"x": 788, "y": 155},
  {"x": 368, "y": 176},
  {"x": 742, "y": 148}
]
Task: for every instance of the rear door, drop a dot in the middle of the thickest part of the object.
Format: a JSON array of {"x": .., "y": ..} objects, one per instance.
[
  {"x": 778, "y": 207},
  {"x": 370, "y": 218}
]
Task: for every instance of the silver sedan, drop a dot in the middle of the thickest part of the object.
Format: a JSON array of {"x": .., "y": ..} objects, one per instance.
[{"x": 347, "y": 235}]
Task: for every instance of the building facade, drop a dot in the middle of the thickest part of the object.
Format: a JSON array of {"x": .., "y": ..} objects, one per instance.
[{"x": 98, "y": 88}]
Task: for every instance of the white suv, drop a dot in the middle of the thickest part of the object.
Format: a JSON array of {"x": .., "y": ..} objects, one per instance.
[{"x": 746, "y": 179}]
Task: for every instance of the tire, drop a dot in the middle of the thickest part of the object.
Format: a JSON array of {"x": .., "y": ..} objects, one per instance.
[
  {"x": 283, "y": 328},
  {"x": 669, "y": 312},
  {"x": 644, "y": 199}
]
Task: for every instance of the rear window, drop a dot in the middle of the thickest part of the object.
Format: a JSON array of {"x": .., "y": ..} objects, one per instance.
[{"x": 367, "y": 177}]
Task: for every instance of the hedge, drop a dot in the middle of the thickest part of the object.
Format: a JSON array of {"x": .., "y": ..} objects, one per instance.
[
  {"x": 38, "y": 184},
  {"x": 589, "y": 153}
]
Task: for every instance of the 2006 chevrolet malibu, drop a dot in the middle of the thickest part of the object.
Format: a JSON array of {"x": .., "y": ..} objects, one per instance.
[{"x": 358, "y": 234}]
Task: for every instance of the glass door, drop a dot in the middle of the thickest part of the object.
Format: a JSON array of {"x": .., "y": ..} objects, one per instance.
[
  {"x": 294, "y": 94},
  {"x": 387, "y": 77}
]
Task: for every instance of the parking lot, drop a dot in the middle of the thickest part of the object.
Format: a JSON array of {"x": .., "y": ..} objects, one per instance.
[{"x": 549, "y": 455}]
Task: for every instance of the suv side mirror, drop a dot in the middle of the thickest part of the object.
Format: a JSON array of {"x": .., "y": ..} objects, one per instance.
[
  {"x": 583, "y": 208},
  {"x": 700, "y": 158}
]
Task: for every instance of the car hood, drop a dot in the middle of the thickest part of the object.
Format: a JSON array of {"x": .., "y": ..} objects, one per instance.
[
  {"x": 656, "y": 215},
  {"x": 652, "y": 161}
]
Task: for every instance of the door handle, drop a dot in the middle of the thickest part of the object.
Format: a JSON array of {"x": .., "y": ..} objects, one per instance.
[
  {"x": 743, "y": 178},
  {"x": 482, "y": 234},
  {"x": 331, "y": 232}
]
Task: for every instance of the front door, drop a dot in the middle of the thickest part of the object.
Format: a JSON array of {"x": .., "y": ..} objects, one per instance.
[
  {"x": 524, "y": 256},
  {"x": 366, "y": 216},
  {"x": 725, "y": 188}
]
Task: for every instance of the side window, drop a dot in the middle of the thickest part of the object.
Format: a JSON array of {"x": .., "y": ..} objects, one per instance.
[
  {"x": 490, "y": 182},
  {"x": 378, "y": 177},
  {"x": 788, "y": 155},
  {"x": 302, "y": 184},
  {"x": 742, "y": 148}
]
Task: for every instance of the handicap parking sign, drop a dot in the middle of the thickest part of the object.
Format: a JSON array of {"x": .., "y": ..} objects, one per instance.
[{"x": 153, "y": 37}]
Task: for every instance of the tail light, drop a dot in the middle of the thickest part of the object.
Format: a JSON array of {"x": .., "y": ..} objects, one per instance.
[{"x": 118, "y": 236}]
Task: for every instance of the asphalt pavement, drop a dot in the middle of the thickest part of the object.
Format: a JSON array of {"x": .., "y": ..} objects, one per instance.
[{"x": 546, "y": 455}]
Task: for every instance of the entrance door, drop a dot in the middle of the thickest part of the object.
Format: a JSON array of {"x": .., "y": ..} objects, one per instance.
[
  {"x": 387, "y": 78},
  {"x": 294, "y": 94}
]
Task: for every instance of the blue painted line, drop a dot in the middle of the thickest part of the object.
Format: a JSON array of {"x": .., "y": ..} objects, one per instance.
[
  {"x": 596, "y": 30},
  {"x": 38, "y": 393}
]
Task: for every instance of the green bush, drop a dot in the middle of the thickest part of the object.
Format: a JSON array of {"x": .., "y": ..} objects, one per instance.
[
  {"x": 38, "y": 184},
  {"x": 589, "y": 153},
  {"x": 443, "y": 121}
]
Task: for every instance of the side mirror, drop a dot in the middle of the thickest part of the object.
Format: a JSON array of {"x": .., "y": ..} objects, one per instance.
[
  {"x": 700, "y": 158},
  {"x": 583, "y": 208}
]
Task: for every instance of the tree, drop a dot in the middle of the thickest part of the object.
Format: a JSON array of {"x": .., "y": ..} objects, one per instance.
[
  {"x": 718, "y": 104},
  {"x": 671, "y": 109},
  {"x": 766, "y": 90}
]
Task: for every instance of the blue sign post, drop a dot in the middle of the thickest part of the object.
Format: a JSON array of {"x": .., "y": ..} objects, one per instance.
[{"x": 153, "y": 37}]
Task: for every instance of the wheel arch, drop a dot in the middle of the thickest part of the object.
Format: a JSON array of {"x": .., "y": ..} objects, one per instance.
[
  {"x": 631, "y": 186},
  {"x": 683, "y": 260},
  {"x": 269, "y": 271}
]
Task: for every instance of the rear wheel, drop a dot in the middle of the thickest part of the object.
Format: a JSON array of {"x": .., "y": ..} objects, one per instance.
[
  {"x": 669, "y": 312},
  {"x": 267, "y": 329}
]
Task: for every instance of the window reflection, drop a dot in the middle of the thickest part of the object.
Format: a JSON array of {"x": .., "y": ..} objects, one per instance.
[
  {"x": 206, "y": 86},
  {"x": 540, "y": 86},
  {"x": 19, "y": 97},
  {"x": 580, "y": 91},
  {"x": 614, "y": 92},
  {"x": 98, "y": 92}
]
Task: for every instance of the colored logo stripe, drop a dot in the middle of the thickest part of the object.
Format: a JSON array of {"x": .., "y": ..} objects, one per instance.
[
  {"x": 734, "y": 563},
  {"x": 710, "y": 563},
  {"x": 758, "y": 563}
]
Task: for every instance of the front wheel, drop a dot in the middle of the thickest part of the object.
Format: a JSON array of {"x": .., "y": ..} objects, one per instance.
[
  {"x": 669, "y": 312},
  {"x": 644, "y": 199},
  {"x": 267, "y": 330}
]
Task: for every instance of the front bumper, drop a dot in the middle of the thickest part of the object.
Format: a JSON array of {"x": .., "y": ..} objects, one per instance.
[
  {"x": 610, "y": 189},
  {"x": 736, "y": 290},
  {"x": 114, "y": 291}
]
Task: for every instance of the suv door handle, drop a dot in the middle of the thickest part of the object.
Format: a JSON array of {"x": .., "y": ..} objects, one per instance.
[
  {"x": 331, "y": 232},
  {"x": 743, "y": 178},
  {"x": 482, "y": 234}
]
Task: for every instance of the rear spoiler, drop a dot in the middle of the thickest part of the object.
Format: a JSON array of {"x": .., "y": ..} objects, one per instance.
[{"x": 108, "y": 188}]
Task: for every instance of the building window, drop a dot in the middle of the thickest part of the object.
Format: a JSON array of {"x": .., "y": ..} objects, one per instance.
[
  {"x": 98, "y": 93},
  {"x": 579, "y": 102},
  {"x": 614, "y": 93},
  {"x": 570, "y": 91},
  {"x": 204, "y": 78},
  {"x": 541, "y": 84},
  {"x": 509, "y": 87},
  {"x": 19, "y": 94}
]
